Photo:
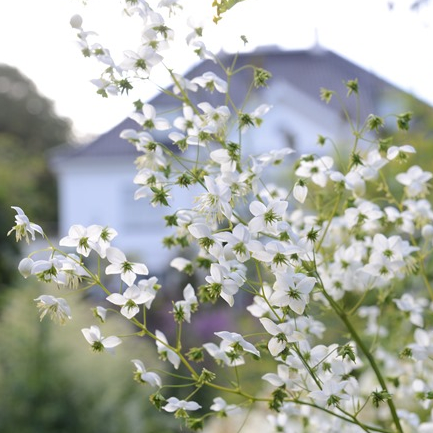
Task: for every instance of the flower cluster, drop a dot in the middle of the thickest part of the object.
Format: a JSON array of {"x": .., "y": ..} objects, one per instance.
[{"x": 326, "y": 272}]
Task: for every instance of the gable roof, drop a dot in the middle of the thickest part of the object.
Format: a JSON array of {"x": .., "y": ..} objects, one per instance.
[{"x": 306, "y": 70}]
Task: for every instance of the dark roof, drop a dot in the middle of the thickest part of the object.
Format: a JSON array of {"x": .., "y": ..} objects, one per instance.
[{"x": 306, "y": 70}]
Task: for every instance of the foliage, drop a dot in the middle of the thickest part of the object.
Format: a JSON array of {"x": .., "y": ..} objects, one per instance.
[
  {"x": 331, "y": 267},
  {"x": 28, "y": 128},
  {"x": 48, "y": 385}
]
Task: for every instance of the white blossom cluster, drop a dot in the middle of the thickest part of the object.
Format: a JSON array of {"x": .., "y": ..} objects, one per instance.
[{"x": 338, "y": 293}]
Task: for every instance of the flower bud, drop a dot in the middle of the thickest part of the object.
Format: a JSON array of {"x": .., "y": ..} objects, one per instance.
[
  {"x": 300, "y": 192},
  {"x": 427, "y": 232},
  {"x": 76, "y": 21},
  {"x": 25, "y": 267}
]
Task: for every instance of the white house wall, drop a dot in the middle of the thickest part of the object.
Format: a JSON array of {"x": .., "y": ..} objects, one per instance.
[{"x": 102, "y": 192}]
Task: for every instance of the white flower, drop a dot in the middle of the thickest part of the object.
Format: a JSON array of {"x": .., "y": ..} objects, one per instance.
[
  {"x": 425, "y": 427},
  {"x": 282, "y": 378},
  {"x": 197, "y": 29},
  {"x": 225, "y": 353},
  {"x": 427, "y": 232},
  {"x": 129, "y": 300},
  {"x": 151, "y": 287},
  {"x": 403, "y": 221},
  {"x": 216, "y": 202},
  {"x": 371, "y": 164},
  {"x": 224, "y": 282},
  {"x": 144, "y": 376},
  {"x": 315, "y": 168},
  {"x": 399, "y": 151},
  {"x": 120, "y": 265},
  {"x": 282, "y": 333},
  {"x": 210, "y": 81},
  {"x": 224, "y": 159},
  {"x": 148, "y": 120},
  {"x": 100, "y": 313},
  {"x": 83, "y": 239},
  {"x": 353, "y": 181},
  {"x": 174, "y": 404},
  {"x": 188, "y": 122},
  {"x": 182, "y": 83},
  {"x": 254, "y": 119},
  {"x": 156, "y": 33},
  {"x": 57, "y": 308},
  {"x": 221, "y": 406},
  {"x": 415, "y": 308},
  {"x": 181, "y": 264},
  {"x": 423, "y": 346},
  {"x": 415, "y": 180},
  {"x": 98, "y": 342},
  {"x": 164, "y": 351},
  {"x": 105, "y": 87},
  {"x": 236, "y": 339},
  {"x": 287, "y": 292},
  {"x": 275, "y": 253},
  {"x": 23, "y": 226},
  {"x": 237, "y": 242},
  {"x": 213, "y": 119},
  {"x": 142, "y": 60},
  {"x": 201, "y": 51},
  {"x": 332, "y": 392},
  {"x": 267, "y": 217},
  {"x": 365, "y": 214},
  {"x": 274, "y": 156},
  {"x": 48, "y": 270},
  {"x": 140, "y": 139},
  {"x": 183, "y": 309}
]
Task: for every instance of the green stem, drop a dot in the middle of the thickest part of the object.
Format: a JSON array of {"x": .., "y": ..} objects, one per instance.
[
  {"x": 353, "y": 421},
  {"x": 358, "y": 340}
]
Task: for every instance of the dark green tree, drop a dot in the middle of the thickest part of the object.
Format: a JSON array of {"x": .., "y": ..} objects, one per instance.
[{"x": 29, "y": 127}]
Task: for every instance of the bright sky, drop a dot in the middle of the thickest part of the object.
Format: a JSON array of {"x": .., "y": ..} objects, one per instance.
[{"x": 35, "y": 37}]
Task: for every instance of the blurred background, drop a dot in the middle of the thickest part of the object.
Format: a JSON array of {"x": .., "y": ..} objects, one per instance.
[{"x": 48, "y": 379}]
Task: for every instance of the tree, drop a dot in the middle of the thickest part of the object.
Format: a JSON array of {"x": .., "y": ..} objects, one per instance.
[{"x": 28, "y": 127}]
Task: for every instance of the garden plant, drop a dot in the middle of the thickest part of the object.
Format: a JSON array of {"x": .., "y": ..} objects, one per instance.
[{"x": 330, "y": 265}]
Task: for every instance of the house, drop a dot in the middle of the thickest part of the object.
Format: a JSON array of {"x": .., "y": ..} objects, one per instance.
[{"x": 95, "y": 181}]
